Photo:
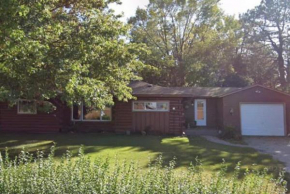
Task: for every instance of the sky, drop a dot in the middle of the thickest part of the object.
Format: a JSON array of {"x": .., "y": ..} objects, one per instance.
[{"x": 232, "y": 7}]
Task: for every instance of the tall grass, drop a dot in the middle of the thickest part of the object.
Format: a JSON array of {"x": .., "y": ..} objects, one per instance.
[{"x": 28, "y": 175}]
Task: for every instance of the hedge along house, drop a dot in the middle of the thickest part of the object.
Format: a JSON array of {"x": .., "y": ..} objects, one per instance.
[{"x": 254, "y": 110}]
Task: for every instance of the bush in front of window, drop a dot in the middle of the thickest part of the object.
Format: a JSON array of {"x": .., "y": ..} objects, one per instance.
[
  {"x": 27, "y": 107},
  {"x": 106, "y": 118},
  {"x": 45, "y": 107}
]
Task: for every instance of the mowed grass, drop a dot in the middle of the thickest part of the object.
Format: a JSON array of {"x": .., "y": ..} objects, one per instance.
[{"x": 142, "y": 149}]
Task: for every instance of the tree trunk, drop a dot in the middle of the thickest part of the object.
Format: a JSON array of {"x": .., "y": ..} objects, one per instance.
[
  {"x": 288, "y": 75},
  {"x": 60, "y": 113},
  {"x": 180, "y": 78},
  {"x": 281, "y": 68}
]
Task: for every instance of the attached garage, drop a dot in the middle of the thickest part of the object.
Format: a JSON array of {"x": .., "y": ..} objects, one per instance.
[
  {"x": 262, "y": 119},
  {"x": 256, "y": 111}
]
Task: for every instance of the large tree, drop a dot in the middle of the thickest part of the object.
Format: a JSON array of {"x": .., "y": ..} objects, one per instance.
[
  {"x": 255, "y": 64},
  {"x": 191, "y": 41},
  {"x": 268, "y": 25},
  {"x": 67, "y": 49}
]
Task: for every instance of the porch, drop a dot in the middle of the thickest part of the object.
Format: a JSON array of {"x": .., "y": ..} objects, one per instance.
[
  {"x": 202, "y": 131},
  {"x": 200, "y": 116}
]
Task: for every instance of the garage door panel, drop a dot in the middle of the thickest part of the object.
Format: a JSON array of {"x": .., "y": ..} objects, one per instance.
[{"x": 262, "y": 119}]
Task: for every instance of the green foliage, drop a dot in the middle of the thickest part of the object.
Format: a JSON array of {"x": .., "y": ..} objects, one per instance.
[
  {"x": 255, "y": 63},
  {"x": 71, "y": 49},
  {"x": 235, "y": 80},
  {"x": 267, "y": 27},
  {"x": 137, "y": 147},
  {"x": 229, "y": 132},
  {"x": 45, "y": 107},
  {"x": 191, "y": 42},
  {"x": 26, "y": 175}
]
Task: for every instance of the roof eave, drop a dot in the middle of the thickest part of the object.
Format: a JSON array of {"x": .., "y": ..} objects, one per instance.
[
  {"x": 249, "y": 87},
  {"x": 173, "y": 96}
]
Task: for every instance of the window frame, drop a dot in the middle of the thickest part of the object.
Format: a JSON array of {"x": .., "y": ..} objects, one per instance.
[
  {"x": 150, "y": 101},
  {"x": 26, "y": 113},
  {"x": 82, "y": 115}
]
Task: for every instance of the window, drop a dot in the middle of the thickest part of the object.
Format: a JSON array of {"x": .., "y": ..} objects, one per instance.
[
  {"x": 200, "y": 112},
  {"x": 77, "y": 112},
  {"x": 84, "y": 113},
  {"x": 147, "y": 106},
  {"x": 138, "y": 106},
  {"x": 151, "y": 105},
  {"x": 26, "y": 107}
]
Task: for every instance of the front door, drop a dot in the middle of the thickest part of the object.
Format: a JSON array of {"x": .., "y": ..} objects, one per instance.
[{"x": 200, "y": 112}]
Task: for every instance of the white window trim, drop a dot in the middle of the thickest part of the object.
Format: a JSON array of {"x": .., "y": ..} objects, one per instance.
[
  {"x": 146, "y": 101},
  {"x": 82, "y": 116},
  {"x": 26, "y": 113}
]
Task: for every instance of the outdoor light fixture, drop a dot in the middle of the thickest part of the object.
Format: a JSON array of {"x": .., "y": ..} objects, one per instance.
[{"x": 231, "y": 111}]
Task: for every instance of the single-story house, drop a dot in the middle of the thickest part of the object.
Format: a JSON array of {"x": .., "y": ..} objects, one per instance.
[{"x": 252, "y": 111}]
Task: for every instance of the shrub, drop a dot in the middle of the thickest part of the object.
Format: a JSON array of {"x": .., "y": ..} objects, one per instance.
[
  {"x": 190, "y": 123},
  {"x": 230, "y": 133},
  {"x": 28, "y": 175}
]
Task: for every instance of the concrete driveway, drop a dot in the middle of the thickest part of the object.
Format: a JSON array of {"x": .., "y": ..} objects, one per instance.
[{"x": 278, "y": 147}]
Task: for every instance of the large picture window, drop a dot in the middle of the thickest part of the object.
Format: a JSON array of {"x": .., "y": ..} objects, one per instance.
[
  {"x": 84, "y": 113},
  {"x": 150, "y": 106},
  {"x": 26, "y": 107}
]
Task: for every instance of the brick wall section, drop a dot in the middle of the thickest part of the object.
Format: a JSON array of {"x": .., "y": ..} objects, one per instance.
[
  {"x": 176, "y": 117},
  {"x": 122, "y": 116}
]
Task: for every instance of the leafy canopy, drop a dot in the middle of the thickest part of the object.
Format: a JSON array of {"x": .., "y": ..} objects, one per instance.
[
  {"x": 191, "y": 41},
  {"x": 65, "y": 48},
  {"x": 269, "y": 25}
]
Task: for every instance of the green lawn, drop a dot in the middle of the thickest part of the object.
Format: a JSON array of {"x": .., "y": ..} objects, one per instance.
[{"x": 141, "y": 148}]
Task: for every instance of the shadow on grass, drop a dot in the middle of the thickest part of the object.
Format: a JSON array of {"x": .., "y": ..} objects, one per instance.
[{"x": 140, "y": 148}]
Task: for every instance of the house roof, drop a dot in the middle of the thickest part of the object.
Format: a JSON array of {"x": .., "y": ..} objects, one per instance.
[
  {"x": 144, "y": 89},
  {"x": 205, "y": 91},
  {"x": 257, "y": 85}
]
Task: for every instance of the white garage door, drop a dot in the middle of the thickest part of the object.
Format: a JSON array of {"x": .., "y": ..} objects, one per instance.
[{"x": 262, "y": 119}]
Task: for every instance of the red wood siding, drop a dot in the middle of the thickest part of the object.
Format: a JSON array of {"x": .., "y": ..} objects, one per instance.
[
  {"x": 124, "y": 119},
  {"x": 155, "y": 122},
  {"x": 171, "y": 122},
  {"x": 220, "y": 113},
  {"x": 251, "y": 96},
  {"x": 212, "y": 112},
  {"x": 10, "y": 121}
]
